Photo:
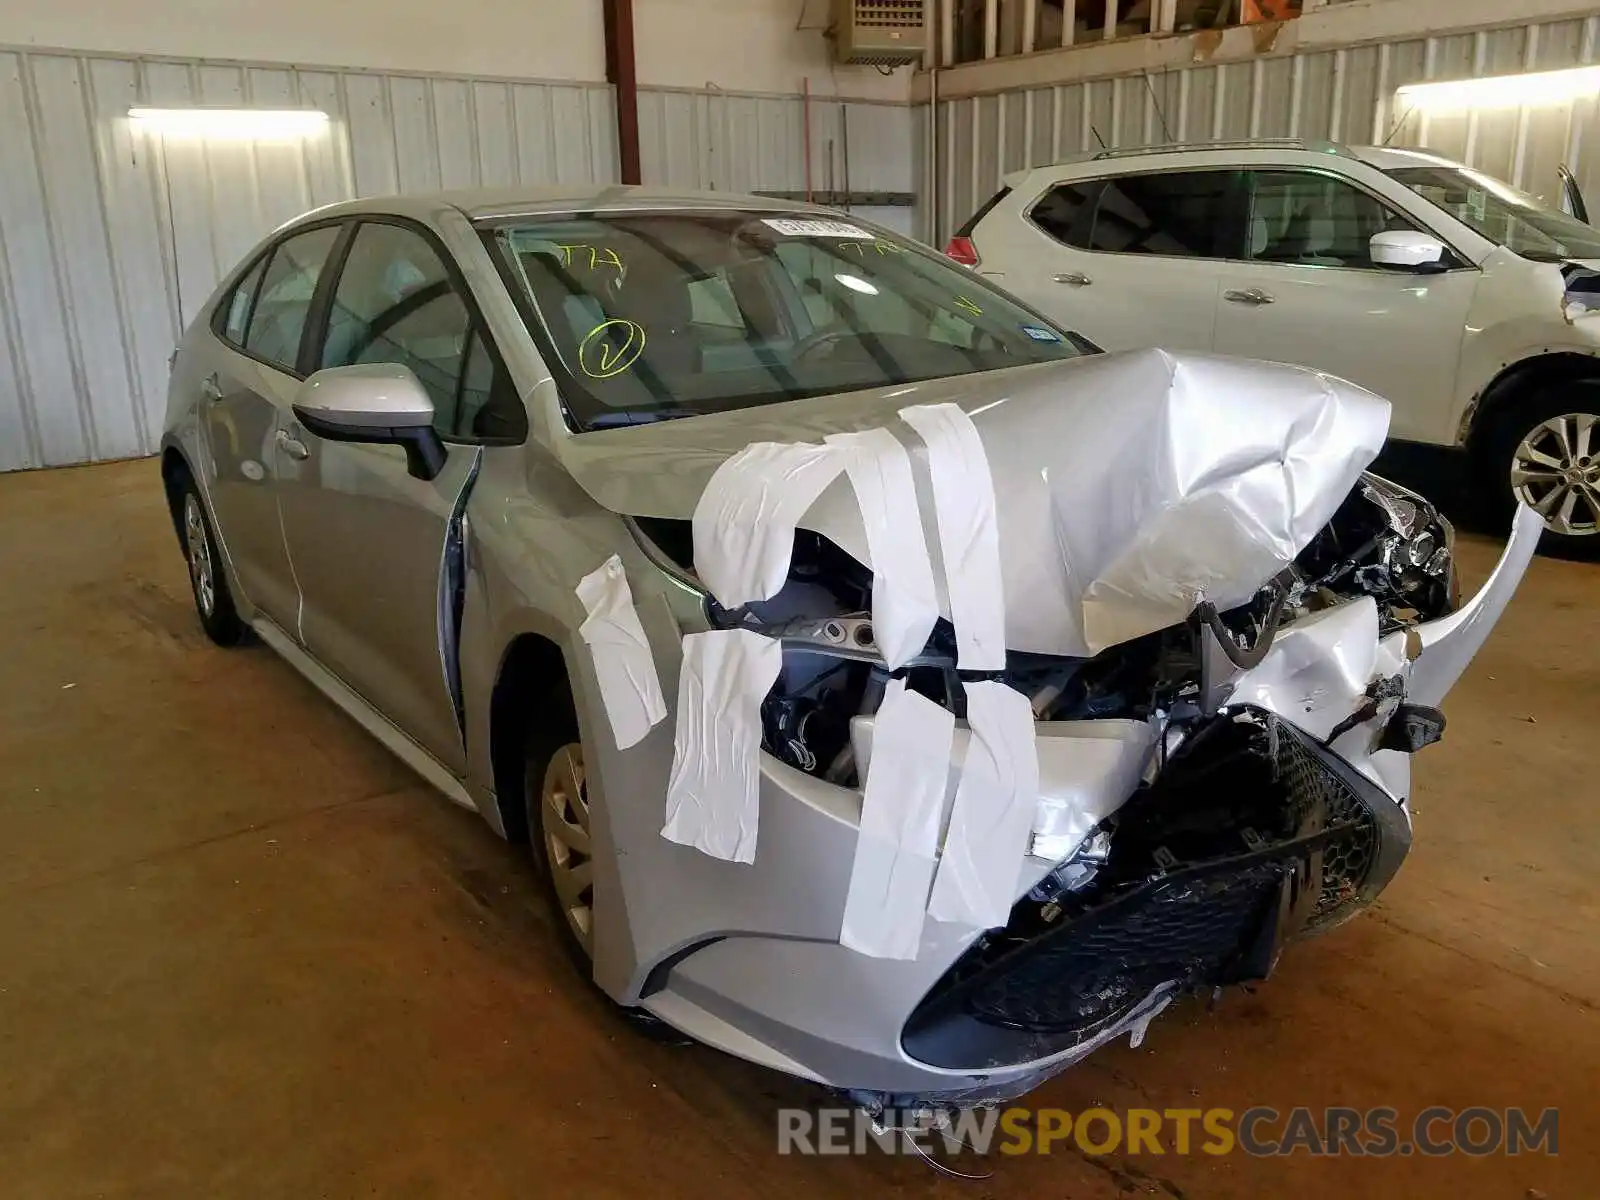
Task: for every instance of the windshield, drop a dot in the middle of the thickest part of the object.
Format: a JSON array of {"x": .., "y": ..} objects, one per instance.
[
  {"x": 1501, "y": 213},
  {"x": 657, "y": 315}
]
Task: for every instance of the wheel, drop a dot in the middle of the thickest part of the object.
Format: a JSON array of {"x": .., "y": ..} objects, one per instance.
[
  {"x": 555, "y": 791},
  {"x": 212, "y": 600},
  {"x": 1546, "y": 453}
]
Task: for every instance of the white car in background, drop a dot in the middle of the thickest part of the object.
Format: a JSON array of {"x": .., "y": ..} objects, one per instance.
[{"x": 1472, "y": 307}]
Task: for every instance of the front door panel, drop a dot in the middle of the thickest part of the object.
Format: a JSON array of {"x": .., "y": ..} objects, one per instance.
[{"x": 368, "y": 545}]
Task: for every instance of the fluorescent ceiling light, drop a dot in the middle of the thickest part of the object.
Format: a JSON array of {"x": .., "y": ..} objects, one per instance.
[
  {"x": 263, "y": 123},
  {"x": 1503, "y": 91},
  {"x": 856, "y": 284}
]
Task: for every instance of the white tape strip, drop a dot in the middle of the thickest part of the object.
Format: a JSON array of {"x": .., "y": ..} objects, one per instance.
[
  {"x": 712, "y": 795},
  {"x": 744, "y": 522},
  {"x": 887, "y": 901},
  {"x": 994, "y": 809},
  {"x": 623, "y": 661},
  {"x": 969, "y": 534},
  {"x": 904, "y": 603}
]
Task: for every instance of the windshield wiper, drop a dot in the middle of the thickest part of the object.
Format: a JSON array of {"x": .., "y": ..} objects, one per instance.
[{"x": 647, "y": 416}]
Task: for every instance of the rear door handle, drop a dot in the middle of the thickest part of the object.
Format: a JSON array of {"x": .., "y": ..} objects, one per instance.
[
  {"x": 1252, "y": 296},
  {"x": 211, "y": 389},
  {"x": 1074, "y": 279},
  {"x": 292, "y": 446}
]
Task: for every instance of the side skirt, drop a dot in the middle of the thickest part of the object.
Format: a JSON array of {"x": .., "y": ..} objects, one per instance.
[{"x": 374, "y": 722}]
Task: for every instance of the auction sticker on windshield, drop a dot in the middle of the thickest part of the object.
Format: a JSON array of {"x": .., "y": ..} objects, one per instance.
[{"x": 811, "y": 227}]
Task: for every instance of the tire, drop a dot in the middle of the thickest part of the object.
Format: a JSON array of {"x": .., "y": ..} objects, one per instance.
[
  {"x": 1545, "y": 450},
  {"x": 555, "y": 799},
  {"x": 208, "y": 583}
]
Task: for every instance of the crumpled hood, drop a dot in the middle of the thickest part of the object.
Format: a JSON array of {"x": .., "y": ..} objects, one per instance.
[{"x": 1129, "y": 487}]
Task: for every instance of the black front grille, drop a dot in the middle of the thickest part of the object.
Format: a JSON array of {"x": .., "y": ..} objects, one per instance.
[
  {"x": 1188, "y": 929},
  {"x": 1249, "y": 836}
]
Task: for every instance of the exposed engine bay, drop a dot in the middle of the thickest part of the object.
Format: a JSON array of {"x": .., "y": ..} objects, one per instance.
[{"x": 1384, "y": 542}]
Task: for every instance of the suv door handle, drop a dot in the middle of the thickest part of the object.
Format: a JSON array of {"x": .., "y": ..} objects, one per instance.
[
  {"x": 211, "y": 389},
  {"x": 1252, "y": 296},
  {"x": 292, "y": 446},
  {"x": 1074, "y": 278}
]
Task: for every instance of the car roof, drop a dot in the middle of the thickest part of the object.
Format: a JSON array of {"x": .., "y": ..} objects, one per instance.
[
  {"x": 1384, "y": 158},
  {"x": 480, "y": 204}
]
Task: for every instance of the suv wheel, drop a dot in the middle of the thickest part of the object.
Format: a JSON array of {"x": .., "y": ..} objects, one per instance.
[{"x": 1546, "y": 453}]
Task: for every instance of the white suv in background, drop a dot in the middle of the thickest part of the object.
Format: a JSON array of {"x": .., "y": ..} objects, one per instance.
[{"x": 1472, "y": 307}]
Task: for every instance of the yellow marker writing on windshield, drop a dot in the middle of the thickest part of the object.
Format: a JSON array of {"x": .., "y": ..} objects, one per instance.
[
  {"x": 969, "y": 306},
  {"x": 601, "y": 356}
]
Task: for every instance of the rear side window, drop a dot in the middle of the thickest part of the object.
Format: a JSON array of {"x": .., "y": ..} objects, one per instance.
[
  {"x": 1181, "y": 214},
  {"x": 279, "y": 317},
  {"x": 236, "y": 310},
  {"x": 1066, "y": 212}
]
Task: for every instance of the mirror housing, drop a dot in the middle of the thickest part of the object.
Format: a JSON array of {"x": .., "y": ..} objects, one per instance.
[
  {"x": 381, "y": 403},
  {"x": 1407, "y": 249}
]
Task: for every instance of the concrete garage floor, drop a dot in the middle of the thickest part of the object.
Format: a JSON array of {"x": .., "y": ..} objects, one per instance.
[{"x": 246, "y": 953}]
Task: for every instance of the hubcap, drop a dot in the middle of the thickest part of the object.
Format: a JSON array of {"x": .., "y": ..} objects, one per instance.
[
  {"x": 200, "y": 573},
  {"x": 564, "y": 815},
  {"x": 1556, "y": 471}
]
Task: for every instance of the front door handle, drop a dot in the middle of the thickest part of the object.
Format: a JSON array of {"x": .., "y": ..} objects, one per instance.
[
  {"x": 1252, "y": 296},
  {"x": 292, "y": 446},
  {"x": 211, "y": 389},
  {"x": 1074, "y": 279}
]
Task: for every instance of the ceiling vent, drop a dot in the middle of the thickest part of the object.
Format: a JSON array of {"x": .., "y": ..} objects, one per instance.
[{"x": 884, "y": 33}]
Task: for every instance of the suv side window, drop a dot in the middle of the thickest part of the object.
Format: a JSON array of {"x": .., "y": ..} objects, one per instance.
[
  {"x": 1311, "y": 219},
  {"x": 396, "y": 303},
  {"x": 284, "y": 301},
  {"x": 1182, "y": 214},
  {"x": 1066, "y": 214},
  {"x": 236, "y": 308}
]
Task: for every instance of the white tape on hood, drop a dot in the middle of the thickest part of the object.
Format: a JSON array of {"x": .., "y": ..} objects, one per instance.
[
  {"x": 712, "y": 794},
  {"x": 992, "y": 820},
  {"x": 744, "y": 521},
  {"x": 887, "y": 901},
  {"x": 624, "y": 664},
  {"x": 969, "y": 533},
  {"x": 904, "y": 603}
]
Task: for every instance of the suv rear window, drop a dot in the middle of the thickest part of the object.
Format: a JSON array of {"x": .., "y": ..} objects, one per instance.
[
  {"x": 1176, "y": 213},
  {"x": 1064, "y": 213}
]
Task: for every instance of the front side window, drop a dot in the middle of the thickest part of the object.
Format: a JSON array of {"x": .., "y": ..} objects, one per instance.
[
  {"x": 284, "y": 300},
  {"x": 657, "y": 315},
  {"x": 1501, "y": 213},
  {"x": 1305, "y": 218},
  {"x": 395, "y": 303},
  {"x": 1183, "y": 214}
]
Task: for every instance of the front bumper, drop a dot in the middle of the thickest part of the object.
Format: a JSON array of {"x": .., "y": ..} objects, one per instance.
[{"x": 785, "y": 994}]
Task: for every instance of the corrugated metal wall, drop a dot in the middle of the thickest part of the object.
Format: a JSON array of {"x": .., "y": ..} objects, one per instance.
[
  {"x": 1343, "y": 95},
  {"x": 110, "y": 239}
]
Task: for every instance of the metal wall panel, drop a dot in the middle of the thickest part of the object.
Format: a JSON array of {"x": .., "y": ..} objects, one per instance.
[
  {"x": 111, "y": 239},
  {"x": 1345, "y": 95}
]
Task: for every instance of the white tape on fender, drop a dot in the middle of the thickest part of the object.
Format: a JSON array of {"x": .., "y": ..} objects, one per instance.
[
  {"x": 994, "y": 809},
  {"x": 623, "y": 661},
  {"x": 712, "y": 795},
  {"x": 969, "y": 533},
  {"x": 904, "y": 603},
  {"x": 887, "y": 902},
  {"x": 744, "y": 522}
]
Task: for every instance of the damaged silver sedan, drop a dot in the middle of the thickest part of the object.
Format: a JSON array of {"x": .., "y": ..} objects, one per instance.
[{"x": 894, "y": 691}]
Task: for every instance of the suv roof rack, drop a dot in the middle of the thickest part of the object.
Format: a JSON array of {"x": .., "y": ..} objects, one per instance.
[{"x": 1316, "y": 147}]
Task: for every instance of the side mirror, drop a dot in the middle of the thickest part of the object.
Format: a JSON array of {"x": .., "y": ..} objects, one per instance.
[
  {"x": 381, "y": 403},
  {"x": 1408, "y": 249}
]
